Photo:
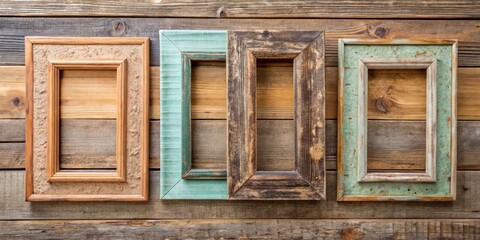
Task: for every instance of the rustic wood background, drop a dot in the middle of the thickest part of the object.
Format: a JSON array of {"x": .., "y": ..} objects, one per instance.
[{"x": 215, "y": 219}]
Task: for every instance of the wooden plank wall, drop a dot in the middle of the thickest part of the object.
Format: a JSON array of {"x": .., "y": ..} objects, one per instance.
[{"x": 246, "y": 219}]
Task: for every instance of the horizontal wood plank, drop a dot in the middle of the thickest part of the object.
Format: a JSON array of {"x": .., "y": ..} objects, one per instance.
[
  {"x": 396, "y": 142},
  {"x": 12, "y": 92},
  {"x": 246, "y": 9},
  {"x": 242, "y": 229},
  {"x": 14, "y": 29},
  {"x": 211, "y": 105},
  {"x": 88, "y": 94},
  {"x": 397, "y": 94},
  {"x": 15, "y": 208},
  {"x": 87, "y": 143}
]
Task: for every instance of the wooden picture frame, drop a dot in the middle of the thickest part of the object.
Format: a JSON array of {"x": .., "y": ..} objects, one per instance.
[
  {"x": 437, "y": 183},
  {"x": 54, "y": 174},
  {"x": 45, "y": 58},
  {"x": 430, "y": 64},
  {"x": 307, "y": 180},
  {"x": 178, "y": 48}
]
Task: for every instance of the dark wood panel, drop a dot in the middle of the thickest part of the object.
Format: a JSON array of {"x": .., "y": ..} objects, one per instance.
[
  {"x": 242, "y": 229},
  {"x": 246, "y": 9},
  {"x": 395, "y": 139},
  {"x": 14, "y": 207},
  {"x": 14, "y": 29}
]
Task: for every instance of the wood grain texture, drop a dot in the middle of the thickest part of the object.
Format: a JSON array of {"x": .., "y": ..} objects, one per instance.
[
  {"x": 12, "y": 197},
  {"x": 429, "y": 83},
  {"x": 307, "y": 180},
  {"x": 246, "y": 9},
  {"x": 466, "y": 31},
  {"x": 397, "y": 94},
  {"x": 242, "y": 229},
  {"x": 12, "y": 92},
  {"x": 211, "y": 105},
  {"x": 407, "y": 154},
  {"x": 178, "y": 48},
  {"x": 88, "y": 93}
]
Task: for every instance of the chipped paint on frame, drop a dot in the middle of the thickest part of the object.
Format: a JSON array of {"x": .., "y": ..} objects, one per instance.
[{"x": 348, "y": 186}]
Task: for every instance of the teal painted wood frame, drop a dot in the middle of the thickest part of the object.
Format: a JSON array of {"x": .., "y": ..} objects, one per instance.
[
  {"x": 350, "y": 55},
  {"x": 177, "y": 49}
]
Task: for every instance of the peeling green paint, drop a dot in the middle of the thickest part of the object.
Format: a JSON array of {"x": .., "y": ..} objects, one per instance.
[{"x": 349, "y": 185}]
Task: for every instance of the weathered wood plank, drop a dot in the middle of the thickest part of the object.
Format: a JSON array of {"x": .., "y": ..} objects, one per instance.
[
  {"x": 12, "y": 92},
  {"x": 12, "y": 155},
  {"x": 242, "y": 229},
  {"x": 211, "y": 103},
  {"x": 13, "y": 206},
  {"x": 246, "y": 9},
  {"x": 12, "y": 130},
  {"x": 397, "y": 142},
  {"x": 398, "y": 145},
  {"x": 466, "y": 31},
  {"x": 87, "y": 143}
]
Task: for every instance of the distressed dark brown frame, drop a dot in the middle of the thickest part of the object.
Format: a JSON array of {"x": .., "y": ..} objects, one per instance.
[{"x": 307, "y": 181}]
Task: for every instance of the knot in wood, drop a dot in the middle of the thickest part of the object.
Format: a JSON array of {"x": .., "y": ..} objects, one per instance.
[
  {"x": 381, "y": 32},
  {"x": 118, "y": 28},
  {"x": 383, "y": 105},
  {"x": 222, "y": 12},
  {"x": 16, "y": 101}
]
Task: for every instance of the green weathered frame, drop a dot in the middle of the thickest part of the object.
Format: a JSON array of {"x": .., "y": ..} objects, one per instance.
[
  {"x": 177, "y": 49},
  {"x": 349, "y": 185}
]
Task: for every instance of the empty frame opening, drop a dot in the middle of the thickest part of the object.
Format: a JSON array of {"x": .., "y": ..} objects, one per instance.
[
  {"x": 275, "y": 114},
  {"x": 88, "y": 110},
  {"x": 399, "y": 145},
  {"x": 208, "y": 113}
]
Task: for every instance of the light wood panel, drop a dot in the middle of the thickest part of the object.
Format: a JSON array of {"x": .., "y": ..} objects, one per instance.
[
  {"x": 275, "y": 89},
  {"x": 468, "y": 90},
  {"x": 247, "y": 9},
  {"x": 243, "y": 229},
  {"x": 12, "y": 190},
  {"x": 12, "y": 92},
  {"x": 88, "y": 94},
  {"x": 208, "y": 90},
  {"x": 397, "y": 94},
  {"x": 466, "y": 31}
]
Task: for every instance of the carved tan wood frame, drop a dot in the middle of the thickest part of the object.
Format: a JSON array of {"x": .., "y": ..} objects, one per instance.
[
  {"x": 307, "y": 181},
  {"x": 430, "y": 64},
  {"x": 113, "y": 185},
  {"x": 54, "y": 174}
]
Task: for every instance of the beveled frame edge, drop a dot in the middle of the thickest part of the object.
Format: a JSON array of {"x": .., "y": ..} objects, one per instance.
[
  {"x": 144, "y": 153},
  {"x": 364, "y": 64},
  {"x": 453, "y": 132},
  {"x": 293, "y": 178},
  {"x": 210, "y": 183},
  {"x": 187, "y": 171},
  {"x": 54, "y": 173}
]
